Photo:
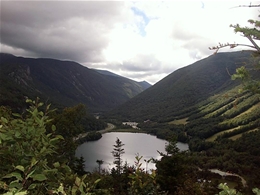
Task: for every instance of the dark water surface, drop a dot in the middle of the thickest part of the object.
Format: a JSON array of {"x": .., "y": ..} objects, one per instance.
[{"x": 144, "y": 144}]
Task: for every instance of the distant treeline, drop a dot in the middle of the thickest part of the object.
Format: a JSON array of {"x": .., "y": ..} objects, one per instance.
[{"x": 91, "y": 136}]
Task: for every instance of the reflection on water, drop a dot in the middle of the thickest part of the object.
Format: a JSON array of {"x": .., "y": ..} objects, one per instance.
[{"x": 144, "y": 144}]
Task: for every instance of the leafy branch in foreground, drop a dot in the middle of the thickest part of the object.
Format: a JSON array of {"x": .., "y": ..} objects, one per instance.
[
  {"x": 28, "y": 157},
  {"x": 142, "y": 183},
  {"x": 225, "y": 190}
]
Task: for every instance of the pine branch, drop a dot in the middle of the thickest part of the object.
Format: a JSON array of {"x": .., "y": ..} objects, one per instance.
[
  {"x": 254, "y": 43},
  {"x": 231, "y": 45}
]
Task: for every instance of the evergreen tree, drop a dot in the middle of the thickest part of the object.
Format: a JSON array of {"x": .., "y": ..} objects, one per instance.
[
  {"x": 172, "y": 169},
  {"x": 79, "y": 166},
  {"x": 99, "y": 162},
  {"x": 117, "y": 152}
]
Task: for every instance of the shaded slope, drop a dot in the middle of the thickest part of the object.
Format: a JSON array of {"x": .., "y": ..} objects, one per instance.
[
  {"x": 180, "y": 91},
  {"x": 63, "y": 83}
]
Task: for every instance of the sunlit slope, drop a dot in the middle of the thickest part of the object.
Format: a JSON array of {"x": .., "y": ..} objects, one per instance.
[
  {"x": 226, "y": 115},
  {"x": 179, "y": 94}
]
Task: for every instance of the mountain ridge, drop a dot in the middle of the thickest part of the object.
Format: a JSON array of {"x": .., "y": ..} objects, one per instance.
[
  {"x": 184, "y": 88},
  {"x": 64, "y": 83}
]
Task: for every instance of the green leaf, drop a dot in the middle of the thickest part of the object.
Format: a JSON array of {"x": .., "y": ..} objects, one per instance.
[
  {"x": 20, "y": 167},
  {"x": 17, "y": 134},
  {"x": 4, "y": 120},
  {"x": 40, "y": 104},
  {"x": 16, "y": 193},
  {"x": 54, "y": 140},
  {"x": 8, "y": 193},
  {"x": 256, "y": 191},
  {"x": 53, "y": 128},
  {"x": 56, "y": 164},
  {"x": 16, "y": 115},
  {"x": 59, "y": 137},
  {"x": 15, "y": 184},
  {"x": 43, "y": 150},
  {"x": 74, "y": 190},
  {"x": 32, "y": 186},
  {"x": 48, "y": 107},
  {"x": 3, "y": 136},
  {"x": 98, "y": 180},
  {"x": 67, "y": 168},
  {"x": 29, "y": 175},
  {"x": 21, "y": 193},
  {"x": 14, "y": 174},
  {"x": 28, "y": 100},
  {"x": 33, "y": 162},
  {"x": 50, "y": 171},
  {"x": 39, "y": 177},
  {"x": 61, "y": 189},
  {"x": 77, "y": 181}
]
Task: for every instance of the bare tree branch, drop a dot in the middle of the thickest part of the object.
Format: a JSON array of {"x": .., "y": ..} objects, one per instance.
[
  {"x": 246, "y": 6},
  {"x": 251, "y": 34}
]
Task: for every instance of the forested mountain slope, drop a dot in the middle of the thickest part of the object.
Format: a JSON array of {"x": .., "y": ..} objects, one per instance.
[
  {"x": 63, "y": 83},
  {"x": 201, "y": 105},
  {"x": 182, "y": 90}
]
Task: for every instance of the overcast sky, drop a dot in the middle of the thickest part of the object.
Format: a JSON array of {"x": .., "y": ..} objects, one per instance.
[{"x": 142, "y": 40}]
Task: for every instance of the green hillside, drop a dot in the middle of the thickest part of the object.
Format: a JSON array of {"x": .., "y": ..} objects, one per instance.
[
  {"x": 201, "y": 105},
  {"x": 198, "y": 101},
  {"x": 178, "y": 94},
  {"x": 225, "y": 116}
]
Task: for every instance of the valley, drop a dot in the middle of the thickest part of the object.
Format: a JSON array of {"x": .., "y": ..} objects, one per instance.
[{"x": 198, "y": 105}]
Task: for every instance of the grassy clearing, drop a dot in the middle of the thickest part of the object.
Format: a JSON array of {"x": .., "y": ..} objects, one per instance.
[
  {"x": 235, "y": 137},
  {"x": 249, "y": 110},
  {"x": 179, "y": 122},
  {"x": 214, "y": 137},
  {"x": 219, "y": 110},
  {"x": 244, "y": 115}
]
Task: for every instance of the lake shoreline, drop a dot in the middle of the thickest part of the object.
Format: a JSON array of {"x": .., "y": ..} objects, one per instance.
[{"x": 144, "y": 144}]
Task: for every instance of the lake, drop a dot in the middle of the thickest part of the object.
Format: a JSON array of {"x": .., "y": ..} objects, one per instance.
[{"x": 144, "y": 144}]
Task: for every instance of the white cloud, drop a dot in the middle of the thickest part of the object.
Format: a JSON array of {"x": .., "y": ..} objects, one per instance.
[
  {"x": 178, "y": 34},
  {"x": 143, "y": 40}
]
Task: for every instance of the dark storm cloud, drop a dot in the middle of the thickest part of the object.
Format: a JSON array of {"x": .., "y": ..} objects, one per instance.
[{"x": 65, "y": 30}]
